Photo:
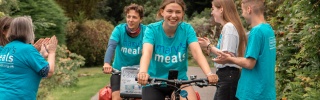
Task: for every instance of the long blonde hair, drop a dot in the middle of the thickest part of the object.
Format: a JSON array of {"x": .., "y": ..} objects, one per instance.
[{"x": 230, "y": 14}]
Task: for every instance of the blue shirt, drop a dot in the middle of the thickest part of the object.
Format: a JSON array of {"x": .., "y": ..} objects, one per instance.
[
  {"x": 128, "y": 50},
  {"x": 259, "y": 82},
  {"x": 20, "y": 64},
  {"x": 169, "y": 52}
]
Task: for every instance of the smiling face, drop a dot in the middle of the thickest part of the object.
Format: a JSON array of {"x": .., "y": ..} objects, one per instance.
[
  {"x": 172, "y": 14},
  {"x": 133, "y": 19},
  {"x": 217, "y": 14}
]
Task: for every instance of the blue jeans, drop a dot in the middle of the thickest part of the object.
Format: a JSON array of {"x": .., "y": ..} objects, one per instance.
[{"x": 227, "y": 84}]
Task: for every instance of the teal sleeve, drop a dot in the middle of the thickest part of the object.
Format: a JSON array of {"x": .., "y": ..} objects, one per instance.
[
  {"x": 34, "y": 59},
  {"x": 148, "y": 35},
  {"x": 254, "y": 45},
  {"x": 116, "y": 33},
  {"x": 191, "y": 35}
]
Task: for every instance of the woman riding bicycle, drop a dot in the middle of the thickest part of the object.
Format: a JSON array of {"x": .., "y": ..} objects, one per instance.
[
  {"x": 126, "y": 40},
  {"x": 165, "y": 47}
]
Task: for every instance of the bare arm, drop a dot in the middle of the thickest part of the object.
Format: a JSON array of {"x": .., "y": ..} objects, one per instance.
[
  {"x": 202, "y": 62},
  {"x": 248, "y": 63},
  {"x": 214, "y": 50},
  {"x": 223, "y": 58},
  {"x": 51, "y": 61},
  {"x": 52, "y": 46},
  {"x": 144, "y": 63},
  {"x": 199, "y": 57},
  {"x": 146, "y": 57}
]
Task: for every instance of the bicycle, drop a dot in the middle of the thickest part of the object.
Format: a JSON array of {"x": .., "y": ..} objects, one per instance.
[{"x": 176, "y": 85}]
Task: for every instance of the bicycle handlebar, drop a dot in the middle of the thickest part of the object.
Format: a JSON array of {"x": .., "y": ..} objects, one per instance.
[
  {"x": 114, "y": 71},
  {"x": 198, "y": 82}
]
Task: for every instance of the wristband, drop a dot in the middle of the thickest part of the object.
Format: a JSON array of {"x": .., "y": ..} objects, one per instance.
[
  {"x": 210, "y": 73},
  {"x": 208, "y": 46}
]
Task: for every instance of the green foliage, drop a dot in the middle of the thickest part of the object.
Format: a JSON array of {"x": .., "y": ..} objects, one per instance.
[
  {"x": 112, "y": 10},
  {"x": 79, "y": 10},
  {"x": 150, "y": 11},
  {"x": 206, "y": 13},
  {"x": 7, "y": 5},
  {"x": 197, "y": 6},
  {"x": 2, "y": 14},
  {"x": 47, "y": 17},
  {"x": 205, "y": 26},
  {"x": 89, "y": 39},
  {"x": 66, "y": 65},
  {"x": 298, "y": 52}
]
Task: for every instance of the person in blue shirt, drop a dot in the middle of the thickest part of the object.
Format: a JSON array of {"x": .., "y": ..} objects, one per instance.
[
  {"x": 126, "y": 43},
  {"x": 4, "y": 27},
  {"x": 257, "y": 80},
  {"x": 21, "y": 65},
  {"x": 165, "y": 47},
  {"x": 232, "y": 40}
]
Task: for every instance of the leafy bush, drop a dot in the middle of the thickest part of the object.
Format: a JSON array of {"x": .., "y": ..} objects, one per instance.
[
  {"x": 47, "y": 17},
  {"x": 298, "y": 51},
  {"x": 66, "y": 64},
  {"x": 205, "y": 26},
  {"x": 76, "y": 8},
  {"x": 89, "y": 39},
  {"x": 7, "y": 5}
]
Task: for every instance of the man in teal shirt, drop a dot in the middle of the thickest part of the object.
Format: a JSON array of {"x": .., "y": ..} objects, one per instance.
[
  {"x": 257, "y": 81},
  {"x": 126, "y": 44}
]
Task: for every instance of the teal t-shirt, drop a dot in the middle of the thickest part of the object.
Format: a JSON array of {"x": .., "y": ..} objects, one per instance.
[
  {"x": 259, "y": 82},
  {"x": 20, "y": 64},
  {"x": 169, "y": 52},
  {"x": 129, "y": 50}
]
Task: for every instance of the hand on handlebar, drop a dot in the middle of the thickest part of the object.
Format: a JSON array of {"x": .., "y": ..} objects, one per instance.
[
  {"x": 107, "y": 69},
  {"x": 143, "y": 78},
  {"x": 212, "y": 78}
]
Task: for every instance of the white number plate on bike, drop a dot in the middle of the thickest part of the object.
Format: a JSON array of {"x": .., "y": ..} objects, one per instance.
[{"x": 129, "y": 85}]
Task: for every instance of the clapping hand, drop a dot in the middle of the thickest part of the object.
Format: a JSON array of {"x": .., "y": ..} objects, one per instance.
[
  {"x": 41, "y": 42},
  {"x": 52, "y": 45}
]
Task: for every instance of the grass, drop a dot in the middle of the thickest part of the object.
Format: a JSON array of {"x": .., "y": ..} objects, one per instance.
[{"x": 90, "y": 82}]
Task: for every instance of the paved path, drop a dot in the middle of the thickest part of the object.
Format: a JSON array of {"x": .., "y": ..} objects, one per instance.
[{"x": 206, "y": 93}]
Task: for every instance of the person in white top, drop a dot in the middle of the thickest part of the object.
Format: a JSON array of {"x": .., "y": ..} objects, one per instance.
[{"x": 233, "y": 41}]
